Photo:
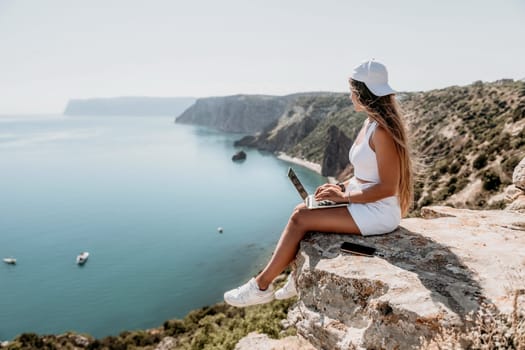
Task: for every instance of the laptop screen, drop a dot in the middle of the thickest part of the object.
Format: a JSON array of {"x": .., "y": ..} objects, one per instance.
[{"x": 298, "y": 185}]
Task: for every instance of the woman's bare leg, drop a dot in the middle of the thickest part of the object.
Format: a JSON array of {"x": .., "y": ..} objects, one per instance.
[{"x": 301, "y": 221}]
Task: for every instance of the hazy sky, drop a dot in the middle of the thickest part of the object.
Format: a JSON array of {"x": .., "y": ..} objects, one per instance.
[{"x": 53, "y": 50}]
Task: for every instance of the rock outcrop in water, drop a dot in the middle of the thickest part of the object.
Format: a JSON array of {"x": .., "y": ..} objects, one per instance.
[{"x": 239, "y": 156}]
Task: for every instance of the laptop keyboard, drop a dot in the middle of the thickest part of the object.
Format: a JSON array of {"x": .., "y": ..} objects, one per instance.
[{"x": 325, "y": 202}]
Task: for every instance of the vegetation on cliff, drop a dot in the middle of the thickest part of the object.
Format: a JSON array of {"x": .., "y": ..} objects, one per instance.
[
  {"x": 468, "y": 139},
  {"x": 217, "y": 327},
  {"x": 303, "y": 131}
]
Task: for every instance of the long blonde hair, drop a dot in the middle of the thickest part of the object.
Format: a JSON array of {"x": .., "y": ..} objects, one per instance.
[{"x": 386, "y": 112}]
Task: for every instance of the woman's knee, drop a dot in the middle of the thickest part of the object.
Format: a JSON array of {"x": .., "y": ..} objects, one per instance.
[{"x": 297, "y": 219}]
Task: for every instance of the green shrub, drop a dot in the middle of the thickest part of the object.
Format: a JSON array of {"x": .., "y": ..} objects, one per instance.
[
  {"x": 491, "y": 180},
  {"x": 30, "y": 340},
  {"x": 518, "y": 114},
  {"x": 95, "y": 345},
  {"x": 441, "y": 195},
  {"x": 462, "y": 183},
  {"x": 427, "y": 200},
  {"x": 417, "y": 194},
  {"x": 454, "y": 168},
  {"x": 480, "y": 161},
  {"x": 509, "y": 164},
  {"x": 113, "y": 343},
  {"x": 498, "y": 205},
  {"x": 141, "y": 338},
  {"x": 442, "y": 166},
  {"x": 174, "y": 327}
]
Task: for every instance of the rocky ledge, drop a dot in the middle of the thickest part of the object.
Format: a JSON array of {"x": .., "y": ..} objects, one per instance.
[{"x": 430, "y": 273}]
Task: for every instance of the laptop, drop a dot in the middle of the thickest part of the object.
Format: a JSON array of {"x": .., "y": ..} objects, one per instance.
[{"x": 309, "y": 200}]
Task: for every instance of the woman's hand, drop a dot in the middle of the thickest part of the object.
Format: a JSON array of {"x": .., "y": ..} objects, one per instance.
[{"x": 330, "y": 192}]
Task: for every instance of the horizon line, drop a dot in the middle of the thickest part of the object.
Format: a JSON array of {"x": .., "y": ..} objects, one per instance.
[{"x": 7, "y": 114}]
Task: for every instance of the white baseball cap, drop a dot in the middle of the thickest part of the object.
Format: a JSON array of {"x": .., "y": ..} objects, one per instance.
[{"x": 375, "y": 77}]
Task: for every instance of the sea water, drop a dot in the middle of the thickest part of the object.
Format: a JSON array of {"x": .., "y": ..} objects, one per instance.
[{"x": 145, "y": 197}]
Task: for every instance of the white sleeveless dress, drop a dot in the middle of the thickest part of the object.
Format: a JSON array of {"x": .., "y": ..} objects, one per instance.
[{"x": 372, "y": 218}]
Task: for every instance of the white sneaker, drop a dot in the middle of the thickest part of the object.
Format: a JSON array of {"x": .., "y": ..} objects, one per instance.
[
  {"x": 249, "y": 294},
  {"x": 288, "y": 290}
]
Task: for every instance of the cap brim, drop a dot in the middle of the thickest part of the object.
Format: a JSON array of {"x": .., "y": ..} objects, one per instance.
[{"x": 380, "y": 90}]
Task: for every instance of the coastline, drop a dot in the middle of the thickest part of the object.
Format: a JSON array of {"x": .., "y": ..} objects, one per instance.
[
  {"x": 305, "y": 164},
  {"x": 301, "y": 162}
]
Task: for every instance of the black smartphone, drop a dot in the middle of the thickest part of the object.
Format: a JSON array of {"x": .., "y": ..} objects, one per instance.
[{"x": 357, "y": 249}]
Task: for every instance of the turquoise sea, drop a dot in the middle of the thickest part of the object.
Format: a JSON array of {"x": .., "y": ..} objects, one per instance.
[{"x": 145, "y": 197}]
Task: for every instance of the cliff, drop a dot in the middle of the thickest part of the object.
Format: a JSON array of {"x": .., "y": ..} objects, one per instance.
[
  {"x": 308, "y": 128},
  {"x": 129, "y": 106},
  {"x": 239, "y": 113},
  {"x": 467, "y": 140}
]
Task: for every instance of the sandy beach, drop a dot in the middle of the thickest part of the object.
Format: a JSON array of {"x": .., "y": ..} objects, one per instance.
[
  {"x": 304, "y": 163},
  {"x": 301, "y": 162}
]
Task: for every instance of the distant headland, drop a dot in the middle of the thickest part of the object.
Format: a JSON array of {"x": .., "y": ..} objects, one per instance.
[{"x": 129, "y": 106}]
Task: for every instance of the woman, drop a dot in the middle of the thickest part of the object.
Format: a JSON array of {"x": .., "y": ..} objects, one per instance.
[{"x": 378, "y": 195}]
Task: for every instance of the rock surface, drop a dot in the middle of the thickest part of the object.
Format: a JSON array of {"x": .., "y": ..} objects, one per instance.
[
  {"x": 511, "y": 193},
  {"x": 335, "y": 158},
  {"x": 241, "y": 155},
  {"x": 167, "y": 343},
  {"x": 429, "y": 272},
  {"x": 518, "y": 204},
  {"x": 518, "y": 176},
  {"x": 306, "y": 120},
  {"x": 256, "y": 341},
  {"x": 240, "y": 113}
]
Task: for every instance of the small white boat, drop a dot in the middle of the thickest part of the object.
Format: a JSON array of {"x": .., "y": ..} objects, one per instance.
[
  {"x": 82, "y": 258},
  {"x": 10, "y": 261}
]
